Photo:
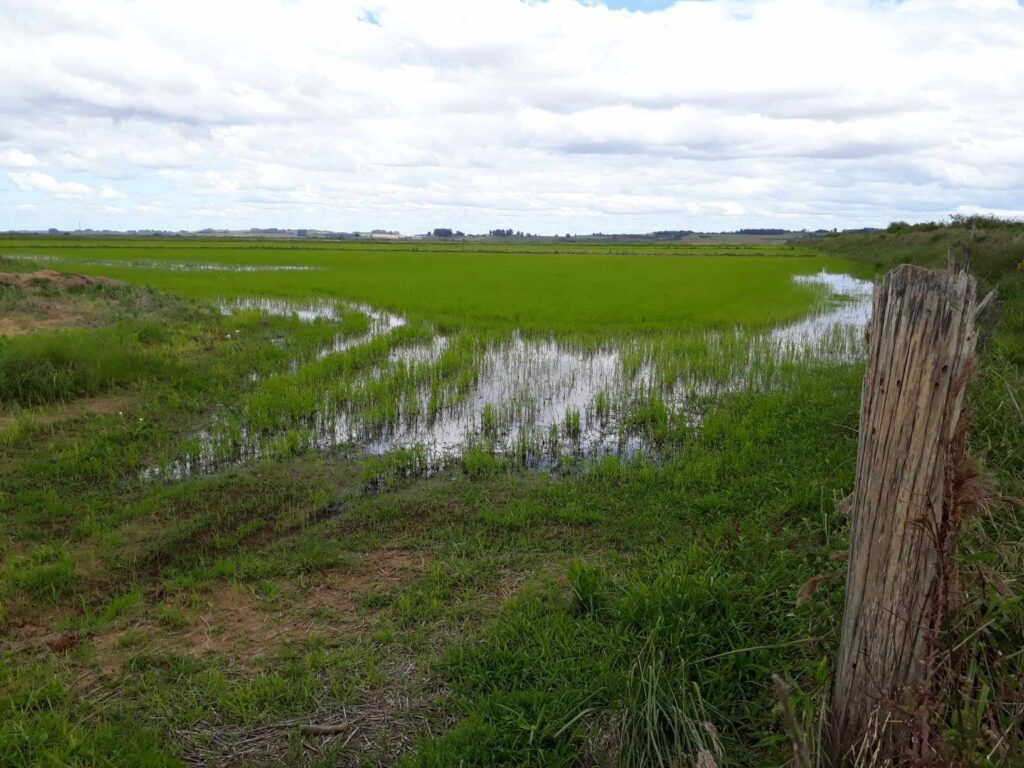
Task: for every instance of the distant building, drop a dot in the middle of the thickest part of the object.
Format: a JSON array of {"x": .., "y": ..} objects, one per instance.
[{"x": 380, "y": 234}]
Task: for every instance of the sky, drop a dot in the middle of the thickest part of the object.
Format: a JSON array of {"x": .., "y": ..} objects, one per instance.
[{"x": 546, "y": 116}]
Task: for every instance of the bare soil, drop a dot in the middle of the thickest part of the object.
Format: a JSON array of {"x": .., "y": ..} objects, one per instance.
[
  {"x": 52, "y": 279},
  {"x": 102, "y": 405},
  {"x": 46, "y": 305},
  {"x": 233, "y": 621}
]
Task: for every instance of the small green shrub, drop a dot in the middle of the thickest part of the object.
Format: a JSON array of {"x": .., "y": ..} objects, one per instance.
[
  {"x": 478, "y": 463},
  {"x": 402, "y": 463}
]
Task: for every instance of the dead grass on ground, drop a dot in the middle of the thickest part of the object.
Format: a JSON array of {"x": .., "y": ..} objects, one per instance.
[{"x": 49, "y": 301}]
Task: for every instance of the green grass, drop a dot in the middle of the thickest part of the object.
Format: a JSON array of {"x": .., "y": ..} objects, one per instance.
[
  {"x": 485, "y": 616},
  {"x": 537, "y": 288},
  {"x": 42, "y": 368}
]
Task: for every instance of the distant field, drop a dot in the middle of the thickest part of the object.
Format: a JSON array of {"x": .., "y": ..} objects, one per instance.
[{"x": 540, "y": 288}]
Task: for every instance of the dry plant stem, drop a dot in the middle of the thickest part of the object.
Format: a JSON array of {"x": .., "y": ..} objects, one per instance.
[{"x": 800, "y": 752}]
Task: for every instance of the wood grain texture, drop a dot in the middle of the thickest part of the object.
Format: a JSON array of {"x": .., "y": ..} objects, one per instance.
[{"x": 920, "y": 347}]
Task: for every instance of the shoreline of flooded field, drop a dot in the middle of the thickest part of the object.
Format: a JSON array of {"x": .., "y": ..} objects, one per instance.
[
  {"x": 173, "y": 266},
  {"x": 532, "y": 401}
]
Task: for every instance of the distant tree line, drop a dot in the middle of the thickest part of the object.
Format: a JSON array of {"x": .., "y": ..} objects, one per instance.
[
  {"x": 507, "y": 233},
  {"x": 448, "y": 232},
  {"x": 672, "y": 234}
]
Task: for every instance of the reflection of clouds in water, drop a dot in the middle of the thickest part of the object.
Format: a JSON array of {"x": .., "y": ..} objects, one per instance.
[
  {"x": 173, "y": 266},
  {"x": 420, "y": 354},
  {"x": 846, "y": 317},
  {"x": 532, "y": 386},
  {"x": 380, "y": 322}
]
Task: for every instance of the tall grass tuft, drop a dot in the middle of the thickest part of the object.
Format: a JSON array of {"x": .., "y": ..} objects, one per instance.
[
  {"x": 588, "y": 588},
  {"x": 663, "y": 723}
]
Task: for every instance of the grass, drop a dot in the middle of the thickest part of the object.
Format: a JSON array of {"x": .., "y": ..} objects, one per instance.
[
  {"x": 625, "y": 610},
  {"x": 43, "y": 368},
  {"x": 541, "y": 289}
]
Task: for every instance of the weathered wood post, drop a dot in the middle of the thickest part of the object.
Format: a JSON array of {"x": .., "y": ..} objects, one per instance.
[{"x": 920, "y": 349}]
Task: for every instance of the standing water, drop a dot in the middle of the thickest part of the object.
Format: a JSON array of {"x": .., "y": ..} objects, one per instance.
[{"x": 540, "y": 399}]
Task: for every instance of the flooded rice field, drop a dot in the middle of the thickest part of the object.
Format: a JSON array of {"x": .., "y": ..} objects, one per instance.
[
  {"x": 532, "y": 401},
  {"x": 379, "y": 322},
  {"x": 173, "y": 266}
]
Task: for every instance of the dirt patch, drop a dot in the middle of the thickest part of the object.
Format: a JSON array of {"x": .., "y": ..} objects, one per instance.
[
  {"x": 75, "y": 409},
  {"x": 48, "y": 278},
  {"x": 376, "y": 723},
  {"x": 384, "y": 724},
  {"x": 49, "y": 318},
  {"x": 340, "y": 590},
  {"x": 384, "y": 721},
  {"x": 41, "y": 301},
  {"x": 381, "y": 722},
  {"x": 35, "y": 639},
  {"x": 235, "y": 622}
]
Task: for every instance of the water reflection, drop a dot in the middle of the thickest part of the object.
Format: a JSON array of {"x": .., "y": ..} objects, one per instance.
[
  {"x": 539, "y": 399},
  {"x": 174, "y": 266}
]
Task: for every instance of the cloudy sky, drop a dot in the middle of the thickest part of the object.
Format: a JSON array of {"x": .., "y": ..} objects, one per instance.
[{"x": 564, "y": 115}]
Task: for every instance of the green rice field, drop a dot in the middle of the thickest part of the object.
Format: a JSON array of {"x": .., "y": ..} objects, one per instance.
[
  {"x": 443, "y": 503},
  {"x": 542, "y": 288}
]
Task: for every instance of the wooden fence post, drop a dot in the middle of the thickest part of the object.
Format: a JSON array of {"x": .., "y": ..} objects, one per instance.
[{"x": 920, "y": 350}]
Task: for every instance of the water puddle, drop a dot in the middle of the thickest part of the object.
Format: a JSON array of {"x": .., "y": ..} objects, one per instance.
[
  {"x": 533, "y": 397},
  {"x": 419, "y": 355},
  {"x": 380, "y": 322},
  {"x": 835, "y": 334},
  {"x": 534, "y": 401},
  {"x": 174, "y": 266}
]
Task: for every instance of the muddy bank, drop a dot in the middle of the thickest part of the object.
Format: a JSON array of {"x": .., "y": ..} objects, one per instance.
[{"x": 48, "y": 278}]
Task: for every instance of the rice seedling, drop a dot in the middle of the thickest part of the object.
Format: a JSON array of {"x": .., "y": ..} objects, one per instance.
[{"x": 538, "y": 289}]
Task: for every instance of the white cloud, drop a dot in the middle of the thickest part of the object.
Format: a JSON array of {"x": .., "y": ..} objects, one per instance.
[
  {"x": 546, "y": 116},
  {"x": 973, "y": 210},
  {"x": 33, "y": 181},
  {"x": 12, "y": 157}
]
